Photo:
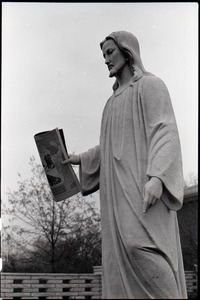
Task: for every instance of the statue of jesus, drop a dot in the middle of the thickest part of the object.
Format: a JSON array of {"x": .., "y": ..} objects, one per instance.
[{"x": 138, "y": 168}]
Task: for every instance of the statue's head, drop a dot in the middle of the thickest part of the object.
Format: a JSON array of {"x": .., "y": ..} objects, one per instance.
[{"x": 129, "y": 46}]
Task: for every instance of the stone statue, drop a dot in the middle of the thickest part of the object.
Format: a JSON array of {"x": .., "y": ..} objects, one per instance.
[{"x": 138, "y": 168}]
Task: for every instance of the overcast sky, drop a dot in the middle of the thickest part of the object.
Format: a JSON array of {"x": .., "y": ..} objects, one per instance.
[{"x": 53, "y": 72}]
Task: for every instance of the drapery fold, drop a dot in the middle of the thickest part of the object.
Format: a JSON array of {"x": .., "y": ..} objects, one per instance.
[{"x": 89, "y": 170}]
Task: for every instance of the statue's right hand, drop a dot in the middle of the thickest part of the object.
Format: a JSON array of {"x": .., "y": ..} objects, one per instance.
[{"x": 73, "y": 159}]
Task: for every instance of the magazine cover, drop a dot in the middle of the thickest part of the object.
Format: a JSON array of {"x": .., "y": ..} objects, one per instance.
[{"x": 52, "y": 150}]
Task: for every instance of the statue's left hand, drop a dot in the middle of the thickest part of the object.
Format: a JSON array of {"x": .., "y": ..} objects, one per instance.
[{"x": 152, "y": 191}]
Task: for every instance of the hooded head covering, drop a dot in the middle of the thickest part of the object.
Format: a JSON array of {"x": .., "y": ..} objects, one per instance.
[{"x": 129, "y": 46}]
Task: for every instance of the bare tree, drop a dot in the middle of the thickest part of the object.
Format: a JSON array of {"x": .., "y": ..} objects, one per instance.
[
  {"x": 191, "y": 179},
  {"x": 38, "y": 224}
]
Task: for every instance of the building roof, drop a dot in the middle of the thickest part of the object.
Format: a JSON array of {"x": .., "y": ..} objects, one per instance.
[{"x": 191, "y": 193}]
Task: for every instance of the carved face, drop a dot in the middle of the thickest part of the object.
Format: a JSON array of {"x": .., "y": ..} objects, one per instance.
[{"x": 114, "y": 58}]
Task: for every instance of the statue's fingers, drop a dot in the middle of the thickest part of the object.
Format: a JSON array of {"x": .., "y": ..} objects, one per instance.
[
  {"x": 154, "y": 201},
  {"x": 145, "y": 202},
  {"x": 66, "y": 161}
]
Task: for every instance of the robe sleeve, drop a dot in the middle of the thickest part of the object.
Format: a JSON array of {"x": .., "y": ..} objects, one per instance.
[
  {"x": 89, "y": 171},
  {"x": 164, "y": 151}
]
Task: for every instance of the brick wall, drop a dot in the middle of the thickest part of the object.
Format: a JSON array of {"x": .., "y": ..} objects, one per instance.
[
  {"x": 191, "y": 282},
  {"x": 50, "y": 286},
  {"x": 63, "y": 286}
]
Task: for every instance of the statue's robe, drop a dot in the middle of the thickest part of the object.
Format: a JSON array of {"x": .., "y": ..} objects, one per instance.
[{"x": 141, "y": 252}]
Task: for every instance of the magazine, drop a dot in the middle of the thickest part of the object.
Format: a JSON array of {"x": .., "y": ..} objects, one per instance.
[{"x": 52, "y": 150}]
